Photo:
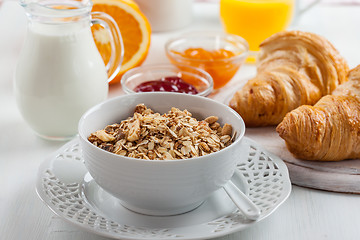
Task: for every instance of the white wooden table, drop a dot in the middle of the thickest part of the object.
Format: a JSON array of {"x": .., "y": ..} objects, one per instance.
[{"x": 307, "y": 214}]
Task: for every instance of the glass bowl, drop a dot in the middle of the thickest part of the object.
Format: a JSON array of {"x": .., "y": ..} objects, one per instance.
[
  {"x": 201, "y": 80},
  {"x": 219, "y": 54}
]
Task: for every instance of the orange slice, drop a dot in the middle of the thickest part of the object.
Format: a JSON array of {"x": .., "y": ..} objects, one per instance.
[{"x": 135, "y": 30}]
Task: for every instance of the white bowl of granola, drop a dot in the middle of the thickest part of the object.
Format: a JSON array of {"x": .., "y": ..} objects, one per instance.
[{"x": 161, "y": 153}]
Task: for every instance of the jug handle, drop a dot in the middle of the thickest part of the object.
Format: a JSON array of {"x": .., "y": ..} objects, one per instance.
[{"x": 116, "y": 42}]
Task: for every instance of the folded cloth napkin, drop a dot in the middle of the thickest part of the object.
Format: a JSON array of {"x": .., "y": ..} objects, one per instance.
[{"x": 344, "y": 2}]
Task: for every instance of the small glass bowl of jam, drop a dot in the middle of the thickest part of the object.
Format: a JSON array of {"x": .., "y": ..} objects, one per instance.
[
  {"x": 219, "y": 54},
  {"x": 167, "y": 78}
]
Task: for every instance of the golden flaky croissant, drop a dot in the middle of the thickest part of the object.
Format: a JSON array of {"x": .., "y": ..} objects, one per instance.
[
  {"x": 294, "y": 68},
  {"x": 329, "y": 130}
]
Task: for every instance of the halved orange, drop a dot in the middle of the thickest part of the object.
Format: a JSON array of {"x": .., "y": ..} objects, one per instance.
[{"x": 135, "y": 30}]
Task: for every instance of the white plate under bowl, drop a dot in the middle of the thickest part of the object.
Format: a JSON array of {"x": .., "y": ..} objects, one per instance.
[{"x": 65, "y": 186}]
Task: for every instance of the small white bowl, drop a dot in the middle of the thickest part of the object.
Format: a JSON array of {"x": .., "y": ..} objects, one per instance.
[{"x": 160, "y": 187}]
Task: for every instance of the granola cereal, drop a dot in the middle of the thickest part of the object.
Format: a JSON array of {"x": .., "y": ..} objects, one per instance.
[{"x": 173, "y": 135}]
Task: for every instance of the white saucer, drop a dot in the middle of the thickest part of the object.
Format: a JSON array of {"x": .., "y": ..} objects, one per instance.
[{"x": 70, "y": 192}]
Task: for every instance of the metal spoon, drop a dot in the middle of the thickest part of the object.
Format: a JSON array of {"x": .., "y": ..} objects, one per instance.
[{"x": 245, "y": 205}]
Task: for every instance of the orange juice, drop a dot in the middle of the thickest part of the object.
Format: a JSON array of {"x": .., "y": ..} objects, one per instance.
[{"x": 256, "y": 20}]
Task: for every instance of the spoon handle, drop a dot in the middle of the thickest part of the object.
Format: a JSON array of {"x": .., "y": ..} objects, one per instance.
[{"x": 245, "y": 205}]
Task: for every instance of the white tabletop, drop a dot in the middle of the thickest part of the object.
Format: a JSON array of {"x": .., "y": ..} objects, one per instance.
[{"x": 307, "y": 214}]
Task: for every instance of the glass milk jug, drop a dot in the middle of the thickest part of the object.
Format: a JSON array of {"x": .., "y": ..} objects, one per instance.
[{"x": 60, "y": 73}]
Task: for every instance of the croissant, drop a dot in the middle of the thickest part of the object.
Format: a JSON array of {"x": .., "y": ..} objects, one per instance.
[
  {"x": 294, "y": 68},
  {"x": 329, "y": 130}
]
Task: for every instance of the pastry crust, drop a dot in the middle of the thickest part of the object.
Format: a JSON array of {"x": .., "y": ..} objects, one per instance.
[
  {"x": 294, "y": 68},
  {"x": 329, "y": 130}
]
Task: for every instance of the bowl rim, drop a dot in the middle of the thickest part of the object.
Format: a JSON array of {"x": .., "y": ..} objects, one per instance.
[
  {"x": 130, "y": 72},
  {"x": 204, "y": 34},
  {"x": 238, "y": 139}
]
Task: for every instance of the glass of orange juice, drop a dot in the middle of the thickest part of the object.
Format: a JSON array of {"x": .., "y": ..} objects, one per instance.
[{"x": 256, "y": 20}]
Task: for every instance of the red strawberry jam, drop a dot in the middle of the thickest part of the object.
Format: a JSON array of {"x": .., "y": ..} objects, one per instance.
[{"x": 167, "y": 84}]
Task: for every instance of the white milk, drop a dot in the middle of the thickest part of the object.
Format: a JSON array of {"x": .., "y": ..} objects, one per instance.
[{"x": 60, "y": 75}]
